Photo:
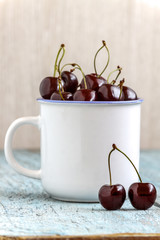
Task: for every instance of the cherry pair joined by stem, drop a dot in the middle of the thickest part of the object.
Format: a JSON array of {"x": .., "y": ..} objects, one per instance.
[
  {"x": 94, "y": 80},
  {"x": 105, "y": 91},
  {"x": 50, "y": 85},
  {"x": 141, "y": 195}
]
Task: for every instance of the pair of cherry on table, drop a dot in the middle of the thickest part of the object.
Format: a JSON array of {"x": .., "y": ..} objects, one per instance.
[{"x": 141, "y": 195}]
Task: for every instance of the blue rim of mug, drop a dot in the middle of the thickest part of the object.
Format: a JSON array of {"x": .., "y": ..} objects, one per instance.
[{"x": 137, "y": 101}]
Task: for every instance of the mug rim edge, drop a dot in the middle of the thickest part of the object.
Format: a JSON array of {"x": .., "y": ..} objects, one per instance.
[{"x": 137, "y": 101}]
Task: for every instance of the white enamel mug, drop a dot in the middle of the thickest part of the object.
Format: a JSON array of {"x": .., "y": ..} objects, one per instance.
[{"x": 76, "y": 138}]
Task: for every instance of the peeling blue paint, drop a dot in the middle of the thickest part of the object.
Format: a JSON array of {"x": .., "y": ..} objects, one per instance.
[{"x": 26, "y": 209}]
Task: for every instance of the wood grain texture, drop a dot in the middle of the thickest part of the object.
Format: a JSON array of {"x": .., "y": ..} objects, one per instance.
[
  {"x": 32, "y": 30},
  {"x": 126, "y": 236},
  {"x": 26, "y": 210}
]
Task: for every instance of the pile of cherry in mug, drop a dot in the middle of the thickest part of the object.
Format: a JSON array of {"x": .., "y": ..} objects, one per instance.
[{"x": 93, "y": 87}]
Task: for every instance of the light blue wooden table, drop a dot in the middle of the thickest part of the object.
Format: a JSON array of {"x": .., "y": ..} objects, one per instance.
[{"x": 27, "y": 210}]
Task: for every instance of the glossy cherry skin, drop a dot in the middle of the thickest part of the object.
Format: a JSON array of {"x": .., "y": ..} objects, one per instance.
[
  {"x": 93, "y": 81},
  {"x": 85, "y": 95},
  {"x": 66, "y": 95},
  {"x": 49, "y": 85},
  {"x": 70, "y": 81},
  {"x": 112, "y": 197},
  {"x": 129, "y": 93},
  {"x": 109, "y": 92},
  {"x": 142, "y": 195}
]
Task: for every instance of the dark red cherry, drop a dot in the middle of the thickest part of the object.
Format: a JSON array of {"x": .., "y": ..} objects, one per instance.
[
  {"x": 65, "y": 95},
  {"x": 129, "y": 93},
  {"x": 142, "y": 195},
  {"x": 112, "y": 197},
  {"x": 109, "y": 92},
  {"x": 93, "y": 81},
  {"x": 49, "y": 85},
  {"x": 70, "y": 81},
  {"x": 85, "y": 95}
]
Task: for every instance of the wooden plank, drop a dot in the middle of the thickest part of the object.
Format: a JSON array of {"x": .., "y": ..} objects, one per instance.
[
  {"x": 126, "y": 236},
  {"x": 28, "y": 212}
]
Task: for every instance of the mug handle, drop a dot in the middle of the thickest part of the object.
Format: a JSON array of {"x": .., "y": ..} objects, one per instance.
[{"x": 8, "y": 146}]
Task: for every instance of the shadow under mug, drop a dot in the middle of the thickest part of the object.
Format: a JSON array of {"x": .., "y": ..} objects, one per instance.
[{"x": 76, "y": 138}]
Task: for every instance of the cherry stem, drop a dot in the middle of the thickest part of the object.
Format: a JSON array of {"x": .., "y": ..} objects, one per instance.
[
  {"x": 121, "y": 82},
  {"x": 109, "y": 166},
  {"x": 79, "y": 68},
  {"x": 61, "y": 60},
  {"x": 95, "y": 69},
  {"x": 55, "y": 64},
  {"x": 121, "y": 87},
  {"x": 115, "y": 147},
  {"x": 119, "y": 69},
  {"x": 60, "y": 85}
]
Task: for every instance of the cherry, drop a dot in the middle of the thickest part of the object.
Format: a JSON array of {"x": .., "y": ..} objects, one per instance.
[
  {"x": 94, "y": 80},
  {"x": 70, "y": 80},
  {"x": 129, "y": 93},
  {"x": 85, "y": 95},
  {"x": 111, "y": 196},
  {"x": 63, "y": 96},
  {"x": 142, "y": 195},
  {"x": 49, "y": 85},
  {"x": 110, "y": 92}
]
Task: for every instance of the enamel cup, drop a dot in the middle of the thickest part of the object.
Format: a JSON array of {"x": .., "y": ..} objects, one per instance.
[{"x": 76, "y": 138}]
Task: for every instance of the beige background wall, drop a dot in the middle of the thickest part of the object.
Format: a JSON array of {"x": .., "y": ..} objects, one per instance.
[{"x": 32, "y": 30}]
